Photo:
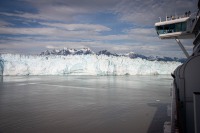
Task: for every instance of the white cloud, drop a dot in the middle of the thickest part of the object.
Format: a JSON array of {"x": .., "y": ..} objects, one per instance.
[
  {"x": 84, "y": 27},
  {"x": 4, "y": 23},
  {"x": 138, "y": 12},
  {"x": 137, "y": 40},
  {"x": 49, "y": 13},
  {"x": 147, "y": 12},
  {"x": 88, "y": 33},
  {"x": 50, "y": 32},
  {"x": 63, "y": 24},
  {"x": 63, "y": 10}
]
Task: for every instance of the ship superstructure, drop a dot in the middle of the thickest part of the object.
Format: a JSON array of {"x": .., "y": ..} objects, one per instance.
[{"x": 185, "y": 113}]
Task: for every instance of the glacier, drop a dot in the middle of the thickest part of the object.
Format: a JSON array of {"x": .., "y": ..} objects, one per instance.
[{"x": 90, "y": 64}]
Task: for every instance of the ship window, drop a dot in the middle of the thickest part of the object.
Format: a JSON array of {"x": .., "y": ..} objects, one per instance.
[
  {"x": 178, "y": 27},
  {"x": 166, "y": 29},
  {"x": 181, "y": 27},
  {"x": 159, "y": 29},
  {"x": 184, "y": 26},
  {"x": 171, "y": 28}
]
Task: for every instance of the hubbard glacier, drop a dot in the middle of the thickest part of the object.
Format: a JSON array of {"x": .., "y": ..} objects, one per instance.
[{"x": 84, "y": 64}]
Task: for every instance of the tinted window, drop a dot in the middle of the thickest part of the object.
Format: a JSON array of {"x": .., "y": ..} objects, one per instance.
[
  {"x": 178, "y": 27},
  {"x": 159, "y": 29},
  {"x": 171, "y": 28},
  {"x": 184, "y": 26}
]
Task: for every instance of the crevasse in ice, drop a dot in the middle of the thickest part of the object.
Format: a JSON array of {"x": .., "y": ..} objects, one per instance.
[{"x": 14, "y": 64}]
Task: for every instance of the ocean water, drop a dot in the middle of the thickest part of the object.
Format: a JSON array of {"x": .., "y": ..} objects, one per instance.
[{"x": 84, "y": 104}]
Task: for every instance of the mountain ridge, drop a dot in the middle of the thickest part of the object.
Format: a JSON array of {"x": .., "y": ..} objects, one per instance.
[{"x": 85, "y": 51}]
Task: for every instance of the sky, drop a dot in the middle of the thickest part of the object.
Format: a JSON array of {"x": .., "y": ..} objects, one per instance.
[{"x": 119, "y": 26}]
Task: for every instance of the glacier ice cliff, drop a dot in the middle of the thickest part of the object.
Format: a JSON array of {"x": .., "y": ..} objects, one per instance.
[{"x": 14, "y": 64}]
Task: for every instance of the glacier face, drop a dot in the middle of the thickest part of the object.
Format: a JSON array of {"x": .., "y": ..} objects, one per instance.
[{"x": 11, "y": 64}]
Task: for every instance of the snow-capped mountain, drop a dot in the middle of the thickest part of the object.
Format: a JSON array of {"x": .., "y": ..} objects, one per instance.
[
  {"x": 106, "y": 52},
  {"x": 132, "y": 55},
  {"x": 67, "y": 51}
]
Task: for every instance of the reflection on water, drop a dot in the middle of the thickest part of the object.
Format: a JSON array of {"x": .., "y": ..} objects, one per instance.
[
  {"x": 91, "y": 104},
  {"x": 1, "y": 79}
]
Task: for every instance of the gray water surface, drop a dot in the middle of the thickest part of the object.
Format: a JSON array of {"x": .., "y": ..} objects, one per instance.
[{"x": 84, "y": 104}]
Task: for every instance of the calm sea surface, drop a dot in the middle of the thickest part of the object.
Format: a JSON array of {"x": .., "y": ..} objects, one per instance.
[{"x": 84, "y": 104}]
